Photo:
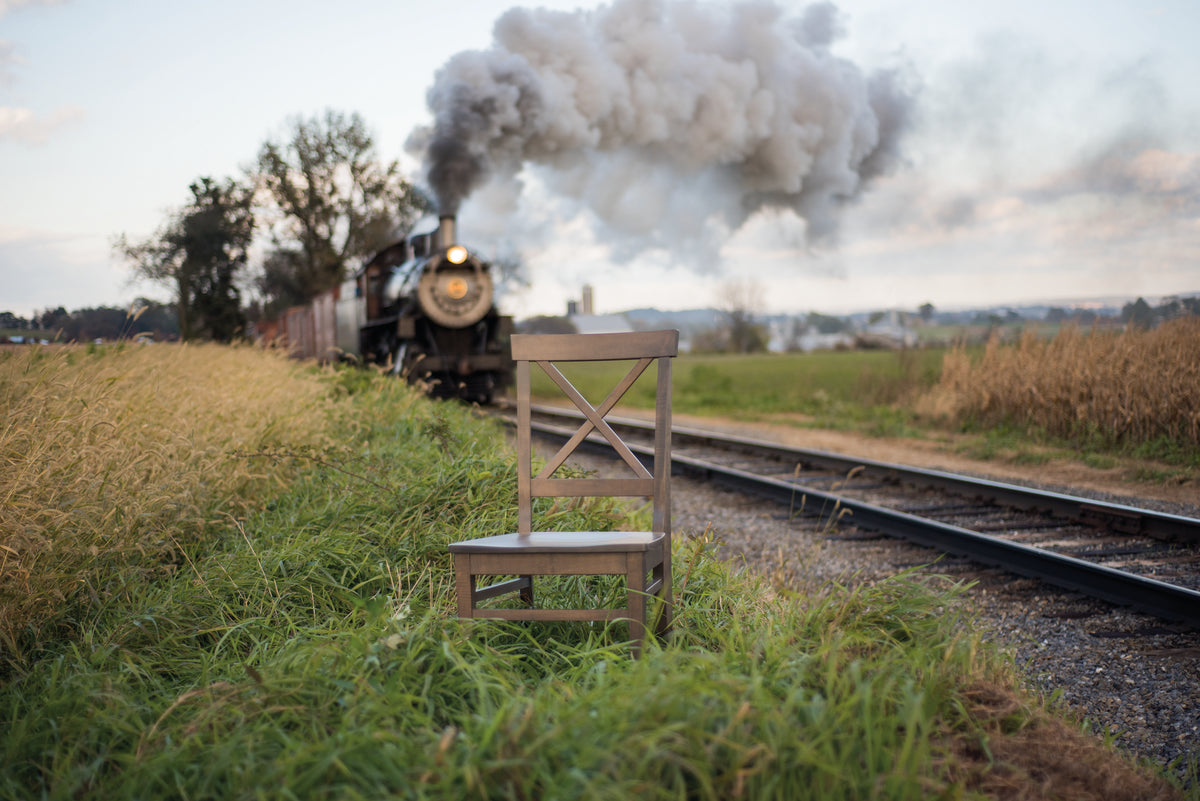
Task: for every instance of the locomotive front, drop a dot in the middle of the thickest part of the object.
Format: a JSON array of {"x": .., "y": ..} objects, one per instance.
[
  {"x": 428, "y": 310},
  {"x": 454, "y": 288}
]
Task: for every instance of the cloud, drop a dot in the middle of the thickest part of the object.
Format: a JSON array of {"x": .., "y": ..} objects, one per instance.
[
  {"x": 8, "y": 59},
  {"x": 1168, "y": 174},
  {"x": 8, "y": 50},
  {"x": 1136, "y": 170},
  {"x": 44, "y": 270},
  {"x": 1021, "y": 136},
  {"x": 25, "y": 126},
  {"x": 1016, "y": 109},
  {"x": 12, "y": 5}
]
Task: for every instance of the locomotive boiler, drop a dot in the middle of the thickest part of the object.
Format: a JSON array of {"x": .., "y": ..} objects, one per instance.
[{"x": 425, "y": 307}]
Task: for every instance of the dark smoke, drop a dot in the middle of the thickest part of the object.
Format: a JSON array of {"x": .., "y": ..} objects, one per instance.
[
  {"x": 482, "y": 114},
  {"x": 667, "y": 113}
]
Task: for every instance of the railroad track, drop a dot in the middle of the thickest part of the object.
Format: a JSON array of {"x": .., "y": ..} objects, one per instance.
[{"x": 1121, "y": 554}]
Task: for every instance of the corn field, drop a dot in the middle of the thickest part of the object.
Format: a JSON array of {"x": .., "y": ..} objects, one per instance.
[{"x": 1123, "y": 389}]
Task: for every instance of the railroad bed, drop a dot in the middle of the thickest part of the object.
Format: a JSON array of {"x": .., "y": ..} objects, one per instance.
[{"x": 1133, "y": 675}]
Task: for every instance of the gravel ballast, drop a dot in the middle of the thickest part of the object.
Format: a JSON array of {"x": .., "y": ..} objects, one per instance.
[{"x": 1130, "y": 676}]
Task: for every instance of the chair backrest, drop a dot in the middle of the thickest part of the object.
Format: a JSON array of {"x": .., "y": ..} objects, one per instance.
[{"x": 643, "y": 348}]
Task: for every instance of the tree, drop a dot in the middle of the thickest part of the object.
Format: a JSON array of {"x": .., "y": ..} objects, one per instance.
[
  {"x": 102, "y": 322},
  {"x": 11, "y": 321},
  {"x": 741, "y": 300},
  {"x": 548, "y": 324},
  {"x": 152, "y": 317},
  {"x": 826, "y": 324},
  {"x": 200, "y": 253},
  {"x": 1138, "y": 314},
  {"x": 280, "y": 282},
  {"x": 111, "y": 322},
  {"x": 52, "y": 319},
  {"x": 926, "y": 311},
  {"x": 333, "y": 203}
]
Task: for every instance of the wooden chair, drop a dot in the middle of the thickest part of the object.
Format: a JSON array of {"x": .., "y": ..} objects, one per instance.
[{"x": 528, "y": 552}]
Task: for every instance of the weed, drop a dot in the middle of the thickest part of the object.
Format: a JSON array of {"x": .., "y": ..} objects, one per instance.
[{"x": 1099, "y": 461}]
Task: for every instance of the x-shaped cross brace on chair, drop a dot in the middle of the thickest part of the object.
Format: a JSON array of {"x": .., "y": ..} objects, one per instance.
[{"x": 595, "y": 418}]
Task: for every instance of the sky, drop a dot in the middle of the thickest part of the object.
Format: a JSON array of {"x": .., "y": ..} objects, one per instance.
[{"x": 1052, "y": 151}]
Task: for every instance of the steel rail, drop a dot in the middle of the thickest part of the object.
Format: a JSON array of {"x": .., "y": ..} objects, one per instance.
[{"x": 1154, "y": 597}]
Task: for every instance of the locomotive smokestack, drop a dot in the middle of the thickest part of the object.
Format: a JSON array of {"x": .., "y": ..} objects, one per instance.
[{"x": 446, "y": 232}]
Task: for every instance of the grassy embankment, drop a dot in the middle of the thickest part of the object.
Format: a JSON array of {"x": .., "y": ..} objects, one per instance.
[
  {"x": 1108, "y": 399},
  {"x": 186, "y": 619}
]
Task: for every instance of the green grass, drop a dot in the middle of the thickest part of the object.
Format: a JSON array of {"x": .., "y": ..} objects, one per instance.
[
  {"x": 308, "y": 649},
  {"x": 859, "y": 390},
  {"x": 1093, "y": 446},
  {"x": 1008, "y": 443},
  {"x": 1156, "y": 462}
]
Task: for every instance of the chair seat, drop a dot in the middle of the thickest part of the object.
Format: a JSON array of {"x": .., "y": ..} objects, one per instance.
[{"x": 555, "y": 542}]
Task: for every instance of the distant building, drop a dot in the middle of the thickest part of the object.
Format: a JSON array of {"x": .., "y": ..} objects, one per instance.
[
  {"x": 891, "y": 332},
  {"x": 790, "y": 333},
  {"x": 601, "y": 323},
  {"x": 582, "y": 315},
  {"x": 812, "y": 339}
]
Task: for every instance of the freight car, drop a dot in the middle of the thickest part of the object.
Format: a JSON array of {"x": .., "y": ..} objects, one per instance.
[{"x": 425, "y": 308}]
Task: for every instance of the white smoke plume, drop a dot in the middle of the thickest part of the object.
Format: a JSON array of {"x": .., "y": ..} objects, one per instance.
[{"x": 667, "y": 114}]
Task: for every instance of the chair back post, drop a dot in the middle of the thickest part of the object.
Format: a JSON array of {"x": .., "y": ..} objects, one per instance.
[
  {"x": 662, "y": 449},
  {"x": 524, "y": 451}
]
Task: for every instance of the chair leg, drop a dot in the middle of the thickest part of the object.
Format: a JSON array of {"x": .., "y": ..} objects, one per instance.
[
  {"x": 666, "y": 616},
  {"x": 635, "y": 590},
  {"x": 527, "y": 592},
  {"x": 464, "y": 585}
]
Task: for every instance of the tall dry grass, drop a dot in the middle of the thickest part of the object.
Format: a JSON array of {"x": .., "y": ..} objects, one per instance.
[
  {"x": 111, "y": 459},
  {"x": 1119, "y": 389}
]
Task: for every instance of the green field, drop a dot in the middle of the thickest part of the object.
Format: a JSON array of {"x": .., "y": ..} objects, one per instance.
[
  {"x": 227, "y": 577},
  {"x": 829, "y": 389}
]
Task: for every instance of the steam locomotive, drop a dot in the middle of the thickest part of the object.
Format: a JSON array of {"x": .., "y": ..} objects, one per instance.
[{"x": 424, "y": 307}]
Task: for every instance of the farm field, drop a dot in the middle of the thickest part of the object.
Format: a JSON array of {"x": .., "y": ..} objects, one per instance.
[
  {"x": 824, "y": 386},
  {"x": 225, "y": 576},
  {"x": 1126, "y": 405}
]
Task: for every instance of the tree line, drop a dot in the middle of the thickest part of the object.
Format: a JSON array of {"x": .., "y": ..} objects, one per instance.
[
  {"x": 312, "y": 202},
  {"x": 101, "y": 322},
  {"x": 1142, "y": 315}
]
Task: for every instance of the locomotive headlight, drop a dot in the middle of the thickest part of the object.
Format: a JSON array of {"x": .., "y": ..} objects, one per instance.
[{"x": 457, "y": 255}]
